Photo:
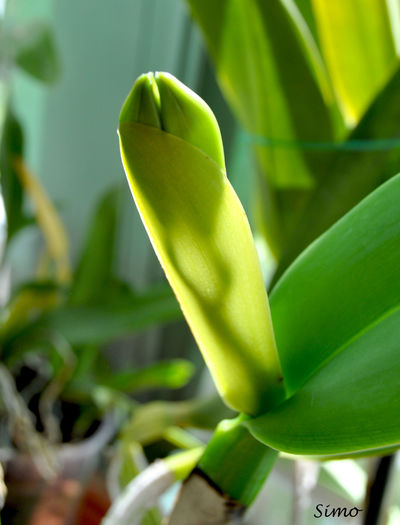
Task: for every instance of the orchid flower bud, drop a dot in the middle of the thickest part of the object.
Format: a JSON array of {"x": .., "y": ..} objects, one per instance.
[{"x": 173, "y": 156}]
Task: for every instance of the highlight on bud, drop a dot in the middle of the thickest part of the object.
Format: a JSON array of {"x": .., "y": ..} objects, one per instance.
[
  {"x": 182, "y": 112},
  {"x": 143, "y": 103},
  {"x": 186, "y": 115},
  {"x": 173, "y": 156}
]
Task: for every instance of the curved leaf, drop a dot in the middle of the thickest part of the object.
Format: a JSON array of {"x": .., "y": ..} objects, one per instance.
[
  {"x": 358, "y": 48},
  {"x": 352, "y": 404},
  {"x": 352, "y": 174},
  {"x": 344, "y": 282},
  {"x": 103, "y": 322},
  {"x": 267, "y": 68},
  {"x": 48, "y": 219},
  {"x": 94, "y": 275},
  {"x": 336, "y": 314},
  {"x": 174, "y": 373},
  {"x": 270, "y": 71},
  {"x": 200, "y": 233},
  {"x": 35, "y": 51},
  {"x": 11, "y": 188}
]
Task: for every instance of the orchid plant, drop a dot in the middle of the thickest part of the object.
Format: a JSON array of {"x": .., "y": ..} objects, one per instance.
[{"x": 311, "y": 371}]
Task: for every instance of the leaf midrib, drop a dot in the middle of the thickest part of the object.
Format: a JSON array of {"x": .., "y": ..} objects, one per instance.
[{"x": 387, "y": 313}]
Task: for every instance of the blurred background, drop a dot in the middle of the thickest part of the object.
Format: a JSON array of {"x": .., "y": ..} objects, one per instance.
[{"x": 95, "y": 354}]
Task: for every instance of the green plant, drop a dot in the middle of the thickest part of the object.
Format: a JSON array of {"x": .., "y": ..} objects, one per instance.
[
  {"x": 314, "y": 87},
  {"x": 334, "y": 311},
  {"x": 204, "y": 249},
  {"x": 54, "y": 326}
]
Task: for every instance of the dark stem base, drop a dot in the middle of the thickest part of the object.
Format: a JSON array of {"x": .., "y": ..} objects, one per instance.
[{"x": 376, "y": 489}]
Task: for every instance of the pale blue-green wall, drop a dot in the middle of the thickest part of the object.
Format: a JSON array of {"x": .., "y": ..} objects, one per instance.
[{"x": 71, "y": 127}]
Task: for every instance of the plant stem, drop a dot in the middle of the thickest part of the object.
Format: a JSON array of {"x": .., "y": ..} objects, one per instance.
[
  {"x": 376, "y": 489},
  {"x": 236, "y": 462},
  {"x": 229, "y": 475}
]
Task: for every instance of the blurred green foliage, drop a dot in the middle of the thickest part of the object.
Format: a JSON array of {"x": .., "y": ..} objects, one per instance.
[
  {"x": 298, "y": 75},
  {"x": 315, "y": 87},
  {"x": 64, "y": 320}
]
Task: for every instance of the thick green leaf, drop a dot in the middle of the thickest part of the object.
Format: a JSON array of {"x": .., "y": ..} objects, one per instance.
[
  {"x": 265, "y": 73},
  {"x": 93, "y": 380},
  {"x": 336, "y": 314},
  {"x": 94, "y": 274},
  {"x": 30, "y": 320},
  {"x": 358, "y": 48},
  {"x": 104, "y": 322},
  {"x": 343, "y": 282},
  {"x": 173, "y": 373},
  {"x": 270, "y": 71},
  {"x": 371, "y": 157},
  {"x": 11, "y": 189},
  {"x": 351, "y": 404},
  {"x": 35, "y": 51},
  {"x": 200, "y": 233}
]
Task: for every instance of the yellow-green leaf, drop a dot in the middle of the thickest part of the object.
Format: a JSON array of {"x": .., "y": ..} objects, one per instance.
[
  {"x": 203, "y": 241},
  {"x": 358, "y": 48},
  {"x": 48, "y": 219},
  {"x": 201, "y": 235},
  {"x": 336, "y": 314}
]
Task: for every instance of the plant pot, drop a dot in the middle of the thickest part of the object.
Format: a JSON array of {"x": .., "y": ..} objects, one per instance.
[{"x": 76, "y": 495}]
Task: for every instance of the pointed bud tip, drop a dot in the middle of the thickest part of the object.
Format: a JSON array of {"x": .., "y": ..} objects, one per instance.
[
  {"x": 187, "y": 116},
  {"x": 162, "y": 101},
  {"x": 143, "y": 103}
]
